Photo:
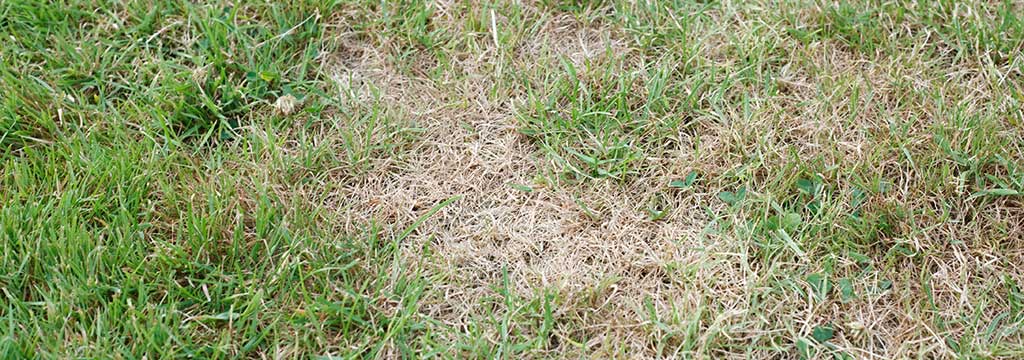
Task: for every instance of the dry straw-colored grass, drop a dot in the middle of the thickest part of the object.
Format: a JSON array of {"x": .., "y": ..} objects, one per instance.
[{"x": 610, "y": 262}]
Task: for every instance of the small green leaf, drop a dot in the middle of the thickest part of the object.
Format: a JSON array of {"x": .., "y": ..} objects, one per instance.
[
  {"x": 655, "y": 215},
  {"x": 813, "y": 207},
  {"x": 902, "y": 250},
  {"x": 846, "y": 292},
  {"x": 857, "y": 198},
  {"x": 884, "y": 285},
  {"x": 805, "y": 349},
  {"x": 268, "y": 76},
  {"x": 690, "y": 179},
  {"x": 791, "y": 221},
  {"x": 952, "y": 343},
  {"x": 569, "y": 68},
  {"x": 807, "y": 186},
  {"x": 520, "y": 187},
  {"x": 820, "y": 284},
  {"x": 587, "y": 159},
  {"x": 733, "y": 198},
  {"x": 858, "y": 257},
  {"x": 657, "y": 208},
  {"x": 823, "y": 333}
]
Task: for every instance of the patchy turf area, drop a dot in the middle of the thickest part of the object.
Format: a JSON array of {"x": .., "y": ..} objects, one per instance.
[{"x": 596, "y": 179}]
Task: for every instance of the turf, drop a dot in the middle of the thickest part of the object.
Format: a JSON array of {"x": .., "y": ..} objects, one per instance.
[{"x": 597, "y": 179}]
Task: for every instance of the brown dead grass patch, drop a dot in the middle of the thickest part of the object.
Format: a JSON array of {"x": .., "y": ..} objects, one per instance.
[{"x": 633, "y": 285}]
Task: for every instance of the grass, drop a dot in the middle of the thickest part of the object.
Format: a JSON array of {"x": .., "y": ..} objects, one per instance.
[{"x": 795, "y": 179}]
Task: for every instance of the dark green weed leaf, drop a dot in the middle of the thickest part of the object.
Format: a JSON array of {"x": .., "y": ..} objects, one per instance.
[
  {"x": 823, "y": 333},
  {"x": 805, "y": 349},
  {"x": 820, "y": 284},
  {"x": 858, "y": 257},
  {"x": 733, "y": 198},
  {"x": 846, "y": 293},
  {"x": 791, "y": 221},
  {"x": 690, "y": 179},
  {"x": 808, "y": 186}
]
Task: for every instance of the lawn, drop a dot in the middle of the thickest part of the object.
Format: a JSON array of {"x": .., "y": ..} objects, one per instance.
[{"x": 555, "y": 179}]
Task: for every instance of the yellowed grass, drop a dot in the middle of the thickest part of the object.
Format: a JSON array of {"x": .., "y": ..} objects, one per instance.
[{"x": 609, "y": 261}]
